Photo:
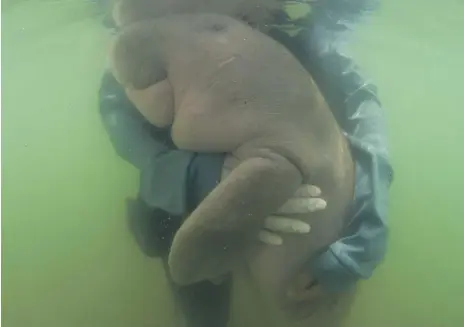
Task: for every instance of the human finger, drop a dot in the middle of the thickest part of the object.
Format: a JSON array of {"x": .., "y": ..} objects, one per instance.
[
  {"x": 308, "y": 190},
  {"x": 286, "y": 225},
  {"x": 302, "y": 205},
  {"x": 269, "y": 238}
]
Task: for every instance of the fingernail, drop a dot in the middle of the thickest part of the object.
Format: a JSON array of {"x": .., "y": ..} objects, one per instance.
[
  {"x": 321, "y": 204},
  {"x": 269, "y": 239},
  {"x": 314, "y": 190},
  {"x": 317, "y": 204},
  {"x": 302, "y": 228}
]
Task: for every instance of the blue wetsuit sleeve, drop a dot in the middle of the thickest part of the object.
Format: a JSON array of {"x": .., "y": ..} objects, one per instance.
[
  {"x": 170, "y": 179},
  {"x": 354, "y": 102}
]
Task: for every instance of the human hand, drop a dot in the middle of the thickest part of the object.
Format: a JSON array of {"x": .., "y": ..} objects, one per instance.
[{"x": 305, "y": 200}]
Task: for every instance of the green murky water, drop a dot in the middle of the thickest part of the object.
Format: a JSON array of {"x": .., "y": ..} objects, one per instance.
[{"x": 67, "y": 257}]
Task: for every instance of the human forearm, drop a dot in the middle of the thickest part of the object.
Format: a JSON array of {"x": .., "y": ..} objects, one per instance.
[
  {"x": 169, "y": 177},
  {"x": 130, "y": 134}
]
